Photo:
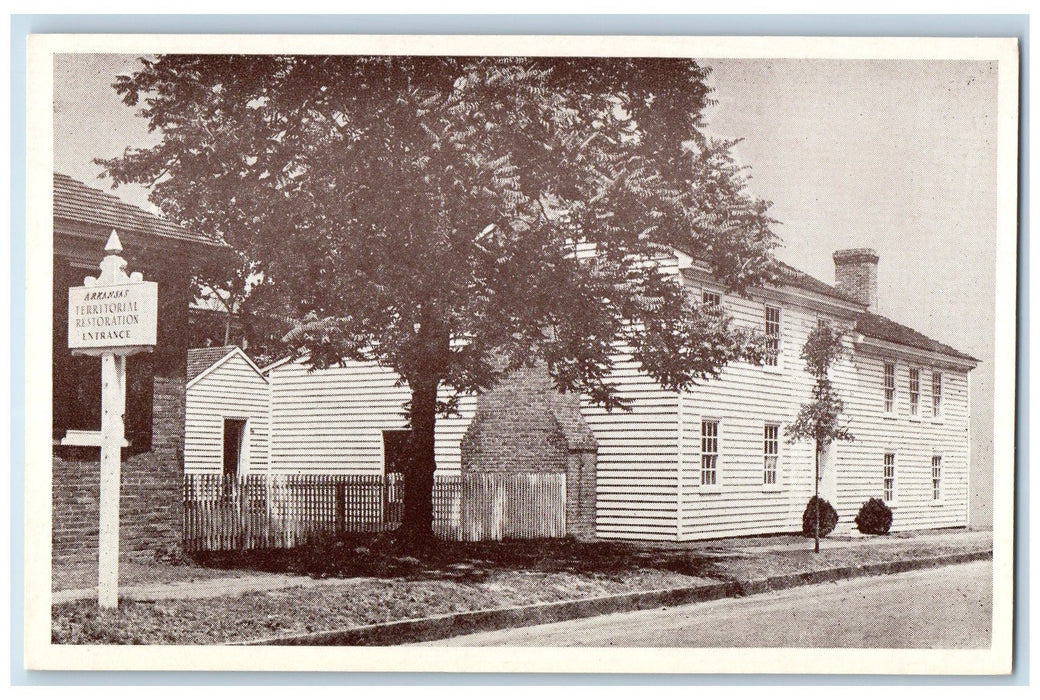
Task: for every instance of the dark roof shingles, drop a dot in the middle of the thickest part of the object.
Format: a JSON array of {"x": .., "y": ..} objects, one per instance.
[
  {"x": 870, "y": 324},
  {"x": 201, "y": 359},
  {"x": 75, "y": 201},
  {"x": 796, "y": 278},
  {"x": 874, "y": 326}
]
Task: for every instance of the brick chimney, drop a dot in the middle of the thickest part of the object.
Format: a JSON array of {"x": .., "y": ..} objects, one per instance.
[{"x": 855, "y": 274}]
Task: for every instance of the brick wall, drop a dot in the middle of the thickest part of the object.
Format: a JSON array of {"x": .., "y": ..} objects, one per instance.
[
  {"x": 513, "y": 428},
  {"x": 524, "y": 424},
  {"x": 581, "y": 494},
  {"x": 168, "y": 416},
  {"x": 149, "y": 492}
]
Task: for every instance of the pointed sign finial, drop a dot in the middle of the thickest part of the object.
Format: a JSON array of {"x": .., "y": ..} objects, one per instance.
[
  {"x": 113, "y": 267},
  {"x": 113, "y": 245}
]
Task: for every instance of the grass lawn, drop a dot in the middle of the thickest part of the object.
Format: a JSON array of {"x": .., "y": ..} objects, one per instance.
[{"x": 368, "y": 582}]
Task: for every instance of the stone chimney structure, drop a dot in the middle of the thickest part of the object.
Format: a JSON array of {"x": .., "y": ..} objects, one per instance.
[{"x": 855, "y": 274}]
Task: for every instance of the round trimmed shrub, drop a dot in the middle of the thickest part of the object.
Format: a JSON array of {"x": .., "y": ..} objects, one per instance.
[
  {"x": 875, "y": 518},
  {"x": 828, "y": 518}
]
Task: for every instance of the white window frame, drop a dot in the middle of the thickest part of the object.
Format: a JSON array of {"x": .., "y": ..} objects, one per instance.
[
  {"x": 705, "y": 293},
  {"x": 888, "y": 477},
  {"x": 889, "y": 405},
  {"x": 937, "y": 469},
  {"x": 914, "y": 395},
  {"x": 710, "y": 455},
  {"x": 777, "y": 353},
  {"x": 937, "y": 396},
  {"x": 771, "y": 468}
]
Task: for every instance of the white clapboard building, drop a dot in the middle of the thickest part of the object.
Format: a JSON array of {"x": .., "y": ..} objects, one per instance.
[
  {"x": 710, "y": 462},
  {"x": 226, "y": 413}
]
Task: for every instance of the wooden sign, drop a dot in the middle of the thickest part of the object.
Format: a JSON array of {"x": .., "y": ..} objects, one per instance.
[{"x": 113, "y": 315}]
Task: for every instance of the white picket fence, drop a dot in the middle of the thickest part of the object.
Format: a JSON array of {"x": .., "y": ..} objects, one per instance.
[{"x": 259, "y": 511}]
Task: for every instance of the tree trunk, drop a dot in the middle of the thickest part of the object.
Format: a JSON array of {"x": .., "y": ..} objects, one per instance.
[
  {"x": 417, "y": 520},
  {"x": 816, "y": 548}
]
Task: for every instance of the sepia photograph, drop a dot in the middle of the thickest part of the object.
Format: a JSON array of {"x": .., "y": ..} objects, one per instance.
[{"x": 585, "y": 353}]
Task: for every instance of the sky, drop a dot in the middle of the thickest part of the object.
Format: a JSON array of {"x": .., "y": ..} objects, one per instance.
[{"x": 899, "y": 156}]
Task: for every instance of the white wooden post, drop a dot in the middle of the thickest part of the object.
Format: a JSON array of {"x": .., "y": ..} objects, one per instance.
[
  {"x": 112, "y": 316},
  {"x": 113, "y": 401}
]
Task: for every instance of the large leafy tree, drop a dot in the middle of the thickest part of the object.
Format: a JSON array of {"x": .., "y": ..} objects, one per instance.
[{"x": 455, "y": 218}]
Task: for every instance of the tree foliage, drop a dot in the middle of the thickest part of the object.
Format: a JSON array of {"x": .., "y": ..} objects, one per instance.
[
  {"x": 453, "y": 218},
  {"x": 819, "y": 420}
]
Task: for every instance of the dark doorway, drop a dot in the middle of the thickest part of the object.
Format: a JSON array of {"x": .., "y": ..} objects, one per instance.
[
  {"x": 395, "y": 451},
  {"x": 234, "y": 438},
  {"x": 395, "y": 464}
]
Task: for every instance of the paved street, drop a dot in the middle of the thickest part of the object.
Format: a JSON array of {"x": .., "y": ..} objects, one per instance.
[{"x": 947, "y": 607}]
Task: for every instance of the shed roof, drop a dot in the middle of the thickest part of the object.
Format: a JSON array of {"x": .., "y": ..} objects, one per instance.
[{"x": 76, "y": 201}]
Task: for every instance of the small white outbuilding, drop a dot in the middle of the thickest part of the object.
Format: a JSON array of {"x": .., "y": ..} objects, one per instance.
[{"x": 227, "y": 411}]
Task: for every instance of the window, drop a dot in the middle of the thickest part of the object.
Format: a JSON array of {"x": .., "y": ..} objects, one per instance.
[
  {"x": 709, "y": 298},
  {"x": 771, "y": 452},
  {"x": 890, "y": 387},
  {"x": 890, "y": 476},
  {"x": 915, "y": 391},
  {"x": 709, "y": 452},
  {"x": 936, "y": 393},
  {"x": 772, "y": 335},
  {"x": 936, "y": 477}
]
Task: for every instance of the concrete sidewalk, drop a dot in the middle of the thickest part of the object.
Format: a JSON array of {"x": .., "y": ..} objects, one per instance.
[
  {"x": 209, "y": 588},
  {"x": 967, "y": 538},
  {"x": 261, "y": 582}
]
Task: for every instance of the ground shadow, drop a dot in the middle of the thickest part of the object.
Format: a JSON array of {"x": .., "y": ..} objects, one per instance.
[{"x": 381, "y": 556}]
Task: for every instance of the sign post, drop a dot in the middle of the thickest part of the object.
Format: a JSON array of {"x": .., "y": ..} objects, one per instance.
[{"x": 111, "y": 317}]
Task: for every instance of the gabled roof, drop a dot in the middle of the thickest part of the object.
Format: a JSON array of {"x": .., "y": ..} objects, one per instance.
[
  {"x": 75, "y": 201},
  {"x": 201, "y": 359},
  {"x": 881, "y": 328},
  {"x": 869, "y": 324}
]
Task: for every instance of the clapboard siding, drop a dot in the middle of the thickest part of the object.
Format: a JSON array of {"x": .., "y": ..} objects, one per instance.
[
  {"x": 636, "y": 473},
  {"x": 232, "y": 389},
  {"x": 648, "y": 461},
  {"x": 914, "y": 441},
  {"x": 332, "y": 420},
  {"x": 746, "y": 398}
]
